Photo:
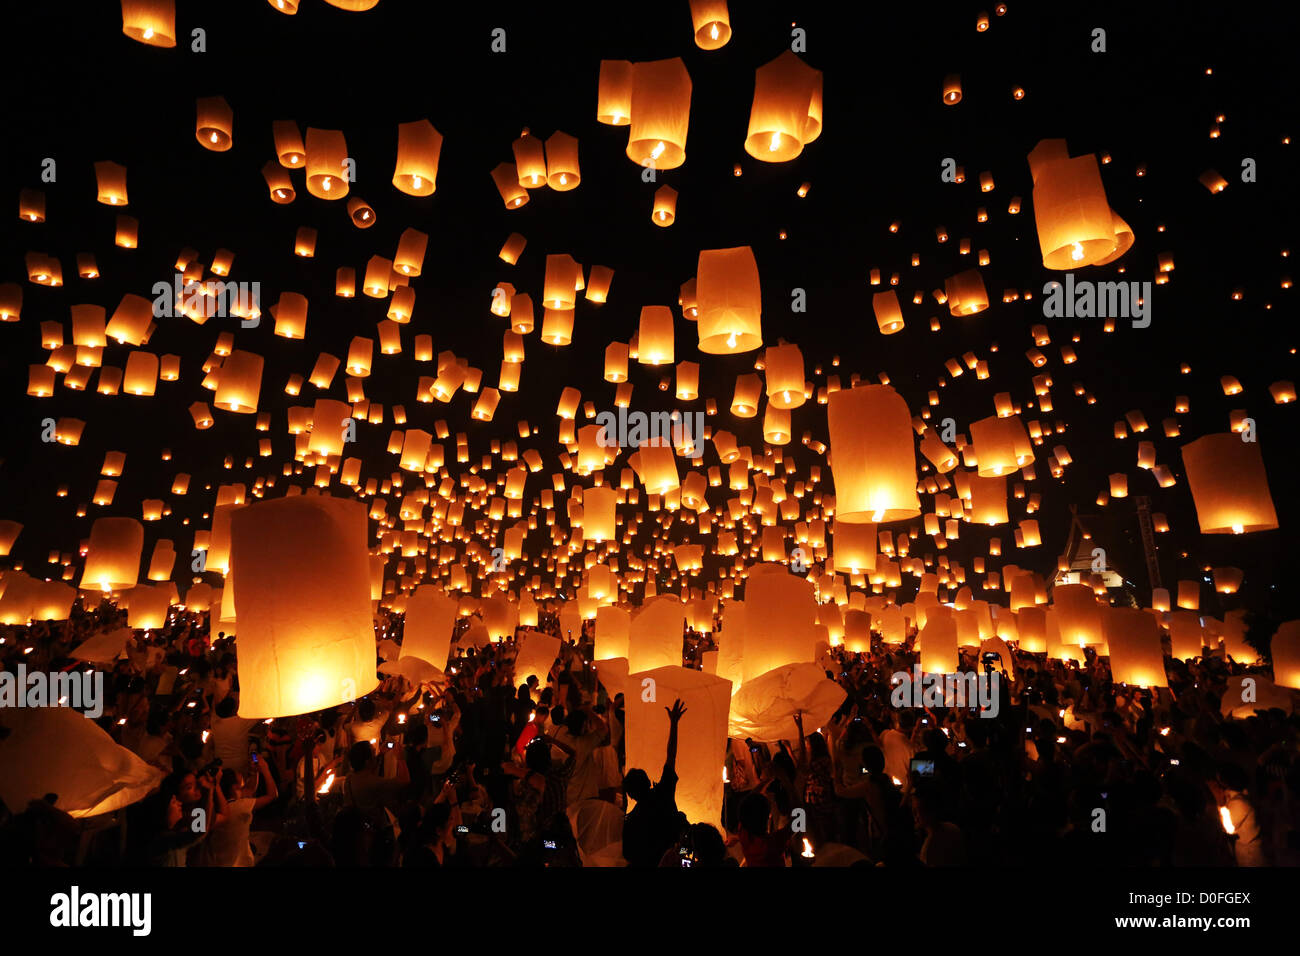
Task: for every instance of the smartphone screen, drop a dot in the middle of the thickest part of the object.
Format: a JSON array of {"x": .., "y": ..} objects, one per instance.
[{"x": 923, "y": 768}]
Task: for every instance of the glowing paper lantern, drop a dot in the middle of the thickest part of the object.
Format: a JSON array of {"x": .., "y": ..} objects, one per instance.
[
  {"x": 661, "y": 113},
  {"x": 780, "y": 619},
  {"x": 1285, "y": 651},
  {"x": 614, "y": 93},
  {"x": 562, "y": 162},
  {"x": 1076, "y": 227},
  {"x": 327, "y": 163},
  {"x": 113, "y": 554},
  {"x": 419, "y": 147},
  {"x": 430, "y": 619},
  {"x": 536, "y": 655},
  {"x": 873, "y": 459},
  {"x": 711, "y": 22},
  {"x": 786, "y": 112},
  {"x": 152, "y": 22},
  {"x": 302, "y": 595},
  {"x": 613, "y": 632},
  {"x": 655, "y": 634},
  {"x": 214, "y": 123},
  {"x": 938, "y": 643},
  {"x": 1229, "y": 485},
  {"x": 729, "y": 301},
  {"x": 701, "y": 735},
  {"x": 1135, "y": 655},
  {"x": 1078, "y": 614}
]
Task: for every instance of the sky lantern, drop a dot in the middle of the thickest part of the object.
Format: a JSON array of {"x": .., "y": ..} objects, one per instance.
[
  {"x": 241, "y": 382},
  {"x": 655, "y": 337},
  {"x": 302, "y": 591},
  {"x": 530, "y": 161},
  {"x": 729, "y": 301},
  {"x": 562, "y": 162},
  {"x": 1076, "y": 227},
  {"x": 655, "y": 635},
  {"x": 786, "y": 112},
  {"x": 702, "y": 734},
  {"x": 113, "y": 554},
  {"x": 289, "y": 148},
  {"x": 1078, "y": 615},
  {"x": 214, "y": 123},
  {"x": 661, "y": 113},
  {"x": 711, "y": 22},
  {"x": 1229, "y": 485},
  {"x": 1134, "y": 641},
  {"x": 874, "y": 461},
  {"x": 782, "y": 612},
  {"x": 419, "y": 147},
  {"x": 614, "y": 93},
  {"x": 327, "y": 163},
  {"x": 110, "y": 179},
  {"x": 784, "y": 373},
  {"x": 152, "y": 22},
  {"x": 506, "y": 177},
  {"x": 663, "y": 212}
]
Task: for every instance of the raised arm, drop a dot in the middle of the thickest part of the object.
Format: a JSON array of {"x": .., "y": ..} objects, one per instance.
[{"x": 674, "y": 716}]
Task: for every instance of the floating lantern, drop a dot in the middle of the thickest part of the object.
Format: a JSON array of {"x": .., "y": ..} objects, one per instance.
[
  {"x": 1229, "y": 485},
  {"x": 301, "y": 575},
  {"x": 874, "y": 462},
  {"x": 419, "y": 147},
  {"x": 660, "y": 113}
]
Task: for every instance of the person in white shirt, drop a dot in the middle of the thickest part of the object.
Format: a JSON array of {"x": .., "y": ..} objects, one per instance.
[
  {"x": 227, "y": 843},
  {"x": 229, "y": 737}
]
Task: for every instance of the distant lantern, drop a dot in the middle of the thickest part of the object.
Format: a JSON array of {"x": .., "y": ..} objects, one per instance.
[
  {"x": 152, "y": 22},
  {"x": 966, "y": 293},
  {"x": 614, "y": 93},
  {"x": 655, "y": 336},
  {"x": 506, "y": 177},
  {"x": 214, "y": 123},
  {"x": 419, "y": 147},
  {"x": 888, "y": 312},
  {"x": 289, "y": 148},
  {"x": 785, "y": 376},
  {"x": 560, "y": 282},
  {"x": 301, "y": 574},
  {"x": 113, "y": 554},
  {"x": 729, "y": 301},
  {"x": 327, "y": 163},
  {"x": 712, "y": 23},
  {"x": 1229, "y": 485},
  {"x": 110, "y": 179},
  {"x": 361, "y": 212},
  {"x": 562, "y": 162},
  {"x": 1076, "y": 227},
  {"x": 598, "y": 284},
  {"x": 278, "y": 183},
  {"x": 952, "y": 89},
  {"x": 409, "y": 257},
  {"x": 786, "y": 112},
  {"x": 513, "y": 248},
  {"x": 291, "y": 316},
  {"x": 530, "y": 161},
  {"x": 661, "y": 112},
  {"x": 873, "y": 458},
  {"x": 241, "y": 382},
  {"x": 664, "y": 210}
]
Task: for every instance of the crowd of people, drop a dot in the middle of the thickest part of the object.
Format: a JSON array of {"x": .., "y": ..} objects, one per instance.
[{"x": 488, "y": 767}]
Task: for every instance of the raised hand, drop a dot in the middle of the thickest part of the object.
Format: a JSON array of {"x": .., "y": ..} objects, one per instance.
[{"x": 676, "y": 712}]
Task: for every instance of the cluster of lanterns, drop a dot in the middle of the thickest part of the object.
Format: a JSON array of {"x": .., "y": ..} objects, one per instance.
[{"x": 779, "y": 559}]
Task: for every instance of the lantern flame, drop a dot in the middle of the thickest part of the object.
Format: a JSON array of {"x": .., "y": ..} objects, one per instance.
[
  {"x": 1226, "y": 817},
  {"x": 1076, "y": 251}
]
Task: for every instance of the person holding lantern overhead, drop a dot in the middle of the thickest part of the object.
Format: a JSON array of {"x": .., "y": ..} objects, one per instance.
[{"x": 652, "y": 826}]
